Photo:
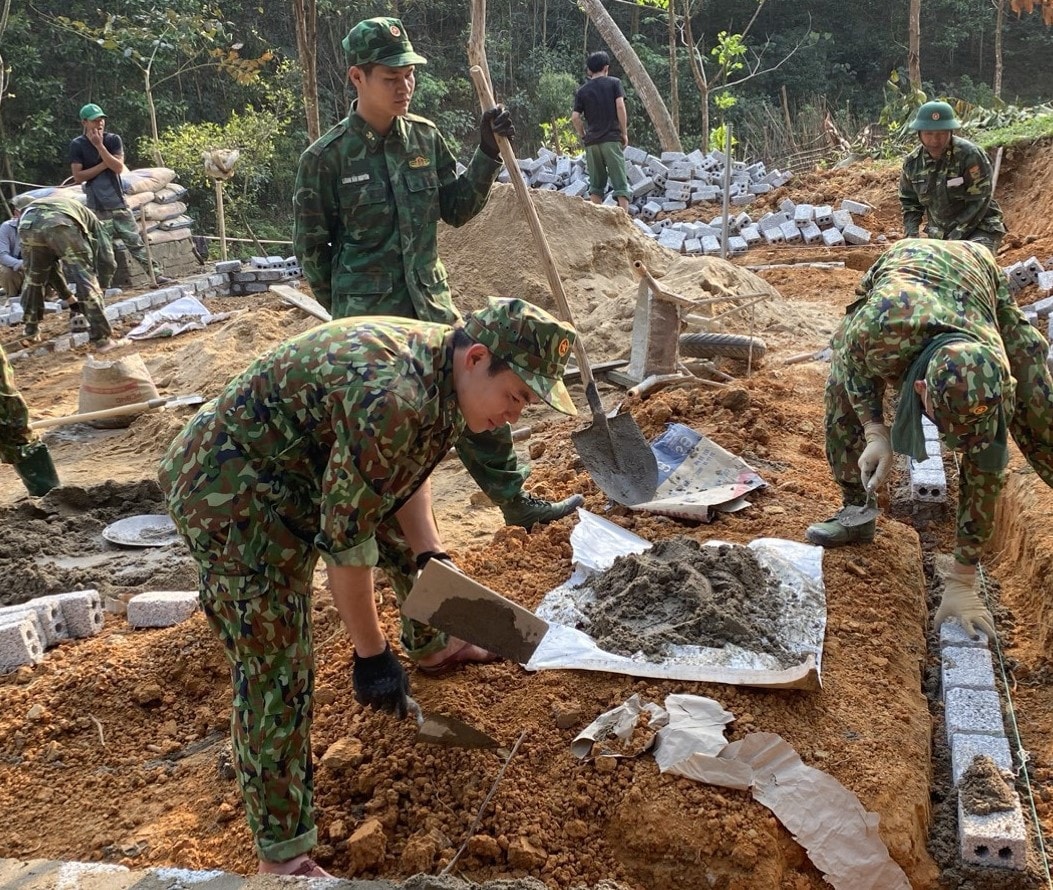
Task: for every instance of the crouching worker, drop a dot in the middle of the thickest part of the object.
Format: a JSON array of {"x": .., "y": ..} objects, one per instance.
[
  {"x": 324, "y": 448},
  {"x": 19, "y": 445},
  {"x": 937, "y": 323}
]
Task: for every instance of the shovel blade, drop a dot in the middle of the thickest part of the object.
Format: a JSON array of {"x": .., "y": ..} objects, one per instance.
[
  {"x": 453, "y": 733},
  {"x": 618, "y": 458}
]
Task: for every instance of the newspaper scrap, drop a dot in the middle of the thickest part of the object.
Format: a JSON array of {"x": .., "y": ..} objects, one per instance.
[
  {"x": 839, "y": 835},
  {"x": 697, "y": 477}
]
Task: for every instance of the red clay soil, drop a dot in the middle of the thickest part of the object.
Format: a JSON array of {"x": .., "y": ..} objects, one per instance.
[{"x": 115, "y": 747}]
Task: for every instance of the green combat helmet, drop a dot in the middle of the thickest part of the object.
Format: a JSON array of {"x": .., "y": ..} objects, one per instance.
[{"x": 935, "y": 116}]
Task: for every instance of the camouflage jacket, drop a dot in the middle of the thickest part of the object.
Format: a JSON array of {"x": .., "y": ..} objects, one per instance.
[
  {"x": 59, "y": 210},
  {"x": 366, "y": 212},
  {"x": 953, "y": 191},
  {"x": 916, "y": 290},
  {"x": 314, "y": 445}
]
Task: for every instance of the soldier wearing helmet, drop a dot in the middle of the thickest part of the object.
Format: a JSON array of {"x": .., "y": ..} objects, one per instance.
[
  {"x": 947, "y": 180},
  {"x": 937, "y": 323}
]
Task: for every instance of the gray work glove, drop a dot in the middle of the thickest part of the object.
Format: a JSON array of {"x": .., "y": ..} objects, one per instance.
[
  {"x": 961, "y": 600},
  {"x": 876, "y": 459},
  {"x": 495, "y": 122}
]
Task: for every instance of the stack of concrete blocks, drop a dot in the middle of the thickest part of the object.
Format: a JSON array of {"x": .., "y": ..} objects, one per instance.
[
  {"x": 973, "y": 715},
  {"x": 928, "y": 482},
  {"x": 161, "y": 608},
  {"x": 261, "y": 273},
  {"x": 29, "y": 628},
  {"x": 1025, "y": 273}
]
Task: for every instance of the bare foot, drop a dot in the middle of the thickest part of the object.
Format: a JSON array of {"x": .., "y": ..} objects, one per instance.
[{"x": 300, "y": 866}]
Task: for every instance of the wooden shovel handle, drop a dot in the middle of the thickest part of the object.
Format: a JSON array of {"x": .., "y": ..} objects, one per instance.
[
  {"x": 120, "y": 410},
  {"x": 486, "y": 99}
]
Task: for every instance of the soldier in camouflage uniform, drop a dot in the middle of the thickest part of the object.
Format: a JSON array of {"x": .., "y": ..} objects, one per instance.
[
  {"x": 368, "y": 199},
  {"x": 323, "y": 448},
  {"x": 938, "y": 322},
  {"x": 19, "y": 445},
  {"x": 57, "y": 230},
  {"x": 948, "y": 180}
]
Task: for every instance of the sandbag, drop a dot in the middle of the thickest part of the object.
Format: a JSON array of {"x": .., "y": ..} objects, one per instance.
[
  {"x": 110, "y": 384},
  {"x": 178, "y": 222},
  {"x": 134, "y": 202},
  {"x": 153, "y": 210},
  {"x": 161, "y": 237},
  {"x": 170, "y": 193},
  {"x": 148, "y": 179}
]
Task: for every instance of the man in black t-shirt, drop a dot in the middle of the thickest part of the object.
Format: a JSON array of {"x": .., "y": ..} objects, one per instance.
[
  {"x": 97, "y": 161},
  {"x": 604, "y": 130}
]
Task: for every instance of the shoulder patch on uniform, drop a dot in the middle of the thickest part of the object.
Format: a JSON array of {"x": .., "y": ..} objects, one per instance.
[
  {"x": 327, "y": 139},
  {"x": 417, "y": 119},
  {"x": 974, "y": 171}
]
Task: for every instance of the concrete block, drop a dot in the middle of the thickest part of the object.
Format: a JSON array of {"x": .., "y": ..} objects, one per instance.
[
  {"x": 856, "y": 235},
  {"x": 579, "y": 189},
  {"x": 1045, "y": 283},
  {"x": 803, "y": 214},
  {"x": 790, "y": 232},
  {"x": 995, "y": 840},
  {"x": 928, "y": 482},
  {"x": 650, "y": 210},
  {"x": 672, "y": 239},
  {"x": 677, "y": 191},
  {"x": 788, "y": 207},
  {"x": 635, "y": 155},
  {"x": 142, "y": 303},
  {"x": 771, "y": 221},
  {"x": 112, "y": 313},
  {"x": 82, "y": 611},
  {"x": 49, "y": 614},
  {"x": 642, "y": 226},
  {"x": 711, "y": 245},
  {"x": 679, "y": 171},
  {"x": 29, "y": 615},
  {"x": 774, "y": 236},
  {"x": 693, "y": 246},
  {"x": 972, "y": 711},
  {"x": 19, "y": 644},
  {"x": 824, "y": 216},
  {"x": 227, "y": 266},
  {"x": 759, "y": 188},
  {"x": 966, "y": 747},
  {"x": 742, "y": 200},
  {"x": 62, "y": 344},
  {"x": 811, "y": 233},
  {"x": 81, "y": 338},
  {"x": 966, "y": 668},
  {"x": 737, "y": 245},
  {"x": 832, "y": 237},
  {"x": 669, "y": 206},
  {"x": 856, "y": 207},
  {"x": 751, "y": 235},
  {"x": 841, "y": 218},
  {"x": 953, "y": 634},
  {"x": 161, "y": 608},
  {"x": 634, "y": 174}
]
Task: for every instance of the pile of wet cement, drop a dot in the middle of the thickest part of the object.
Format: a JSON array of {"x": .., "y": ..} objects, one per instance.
[
  {"x": 54, "y": 544},
  {"x": 682, "y": 593},
  {"x": 983, "y": 789}
]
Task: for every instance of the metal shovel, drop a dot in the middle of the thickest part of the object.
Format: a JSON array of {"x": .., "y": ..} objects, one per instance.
[
  {"x": 613, "y": 449},
  {"x": 850, "y": 517},
  {"x": 447, "y": 731}
]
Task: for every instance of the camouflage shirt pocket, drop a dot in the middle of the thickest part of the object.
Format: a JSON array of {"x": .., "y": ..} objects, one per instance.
[
  {"x": 422, "y": 187},
  {"x": 368, "y": 214}
]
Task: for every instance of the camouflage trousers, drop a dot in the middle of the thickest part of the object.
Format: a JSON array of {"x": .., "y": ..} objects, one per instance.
[
  {"x": 14, "y": 415},
  {"x": 121, "y": 226},
  {"x": 44, "y": 247},
  {"x": 1031, "y": 426},
  {"x": 490, "y": 459}
]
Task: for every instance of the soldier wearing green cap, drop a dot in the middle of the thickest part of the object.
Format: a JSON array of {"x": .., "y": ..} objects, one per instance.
[
  {"x": 97, "y": 162},
  {"x": 323, "y": 448},
  {"x": 937, "y": 322},
  {"x": 948, "y": 180},
  {"x": 368, "y": 199}
]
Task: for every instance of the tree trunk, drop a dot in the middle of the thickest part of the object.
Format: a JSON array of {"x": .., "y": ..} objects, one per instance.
[
  {"x": 674, "y": 92},
  {"x": 148, "y": 89},
  {"x": 637, "y": 74},
  {"x": 305, "y": 12},
  {"x": 914, "y": 45},
  {"x": 999, "y": 24},
  {"x": 698, "y": 72}
]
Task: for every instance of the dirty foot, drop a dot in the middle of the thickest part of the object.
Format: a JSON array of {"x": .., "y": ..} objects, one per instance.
[
  {"x": 300, "y": 867},
  {"x": 109, "y": 344},
  {"x": 456, "y": 653}
]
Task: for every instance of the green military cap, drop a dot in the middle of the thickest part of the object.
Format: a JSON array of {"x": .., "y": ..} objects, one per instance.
[
  {"x": 935, "y": 116},
  {"x": 535, "y": 345},
  {"x": 91, "y": 112},
  {"x": 965, "y": 383},
  {"x": 383, "y": 41}
]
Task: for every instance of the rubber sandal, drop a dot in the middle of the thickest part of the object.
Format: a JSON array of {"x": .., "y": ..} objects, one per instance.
[
  {"x": 466, "y": 654},
  {"x": 310, "y": 869}
]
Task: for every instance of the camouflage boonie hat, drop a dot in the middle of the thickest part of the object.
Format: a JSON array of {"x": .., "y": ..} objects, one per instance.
[
  {"x": 535, "y": 345},
  {"x": 965, "y": 383},
  {"x": 380, "y": 40}
]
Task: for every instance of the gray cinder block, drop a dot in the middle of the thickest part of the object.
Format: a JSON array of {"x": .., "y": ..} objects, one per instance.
[
  {"x": 966, "y": 747},
  {"x": 52, "y": 621},
  {"x": 161, "y": 608},
  {"x": 856, "y": 234},
  {"x": 82, "y": 611},
  {"x": 832, "y": 237},
  {"x": 966, "y": 668},
  {"x": 19, "y": 644},
  {"x": 953, "y": 634},
  {"x": 972, "y": 710},
  {"x": 841, "y": 218},
  {"x": 997, "y": 840},
  {"x": 790, "y": 232},
  {"x": 811, "y": 233},
  {"x": 856, "y": 207},
  {"x": 928, "y": 482}
]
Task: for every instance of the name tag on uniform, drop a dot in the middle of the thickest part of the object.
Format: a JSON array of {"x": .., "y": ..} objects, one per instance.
[
  {"x": 364, "y": 177},
  {"x": 958, "y": 180}
]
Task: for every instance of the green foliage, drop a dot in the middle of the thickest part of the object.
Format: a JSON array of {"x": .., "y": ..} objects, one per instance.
[
  {"x": 718, "y": 138},
  {"x": 1013, "y": 126}
]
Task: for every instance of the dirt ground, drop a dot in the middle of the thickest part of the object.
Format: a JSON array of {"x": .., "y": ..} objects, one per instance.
[{"x": 115, "y": 747}]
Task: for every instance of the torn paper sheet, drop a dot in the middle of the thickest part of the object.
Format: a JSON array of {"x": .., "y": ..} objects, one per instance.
[
  {"x": 178, "y": 317},
  {"x": 696, "y": 476},
  {"x": 620, "y": 723},
  {"x": 840, "y": 837},
  {"x": 801, "y": 612}
]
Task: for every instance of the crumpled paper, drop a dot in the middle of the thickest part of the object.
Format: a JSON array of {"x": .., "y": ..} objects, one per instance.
[
  {"x": 178, "y": 317},
  {"x": 840, "y": 837}
]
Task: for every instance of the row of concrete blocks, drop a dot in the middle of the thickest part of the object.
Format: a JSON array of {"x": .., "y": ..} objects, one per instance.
[
  {"x": 1027, "y": 272},
  {"x": 27, "y": 629},
  {"x": 973, "y": 716}
]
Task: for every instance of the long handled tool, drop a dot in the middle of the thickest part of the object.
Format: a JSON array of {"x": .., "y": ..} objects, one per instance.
[
  {"x": 119, "y": 411},
  {"x": 614, "y": 449}
]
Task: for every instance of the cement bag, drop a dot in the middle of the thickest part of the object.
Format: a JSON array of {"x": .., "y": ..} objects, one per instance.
[
  {"x": 177, "y": 222},
  {"x": 148, "y": 179},
  {"x": 75, "y": 192},
  {"x": 160, "y": 237},
  {"x": 170, "y": 193},
  {"x": 154, "y": 210},
  {"x": 110, "y": 384},
  {"x": 134, "y": 202}
]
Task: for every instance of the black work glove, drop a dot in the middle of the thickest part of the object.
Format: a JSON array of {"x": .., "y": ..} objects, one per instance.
[
  {"x": 496, "y": 122},
  {"x": 381, "y": 682}
]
